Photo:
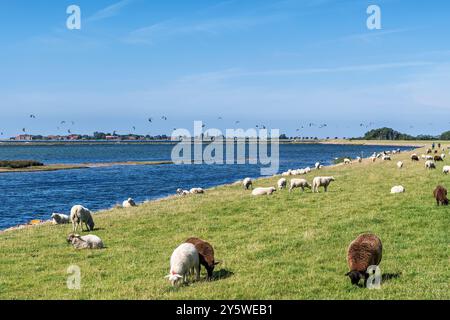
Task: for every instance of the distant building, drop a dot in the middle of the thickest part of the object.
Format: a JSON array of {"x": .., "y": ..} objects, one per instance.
[{"x": 24, "y": 137}]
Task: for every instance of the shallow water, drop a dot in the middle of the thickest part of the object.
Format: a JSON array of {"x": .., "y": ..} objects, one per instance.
[{"x": 36, "y": 195}]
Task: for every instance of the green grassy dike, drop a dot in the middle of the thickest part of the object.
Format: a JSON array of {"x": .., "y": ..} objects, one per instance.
[{"x": 286, "y": 246}]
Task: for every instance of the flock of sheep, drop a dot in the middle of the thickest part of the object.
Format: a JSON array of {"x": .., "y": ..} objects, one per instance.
[{"x": 363, "y": 252}]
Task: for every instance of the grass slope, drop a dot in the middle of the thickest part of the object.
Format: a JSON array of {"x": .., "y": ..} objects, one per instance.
[{"x": 287, "y": 246}]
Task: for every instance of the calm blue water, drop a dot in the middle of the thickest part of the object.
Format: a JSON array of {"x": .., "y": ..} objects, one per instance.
[{"x": 36, "y": 195}]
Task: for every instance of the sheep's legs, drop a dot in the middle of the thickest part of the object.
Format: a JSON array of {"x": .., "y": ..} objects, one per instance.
[{"x": 197, "y": 270}]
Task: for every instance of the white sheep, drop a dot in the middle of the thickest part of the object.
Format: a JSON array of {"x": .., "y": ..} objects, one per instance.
[
  {"x": 307, "y": 170},
  {"x": 182, "y": 192},
  {"x": 80, "y": 215},
  {"x": 429, "y": 158},
  {"x": 197, "y": 191},
  {"x": 85, "y": 242},
  {"x": 386, "y": 158},
  {"x": 347, "y": 161},
  {"x": 299, "y": 183},
  {"x": 247, "y": 183},
  {"x": 321, "y": 182},
  {"x": 59, "y": 218},
  {"x": 263, "y": 191},
  {"x": 443, "y": 155},
  {"x": 400, "y": 164},
  {"x": 282, "y": 183},
  {"x": 398, "y": 189},
  {"x": 446, "y": 169},
  {"x": 430, "y": 164},
  {"x": 183, "y": 262},
  {"x": 318, "y": 166},
  {"x": 129, "y": 203}
]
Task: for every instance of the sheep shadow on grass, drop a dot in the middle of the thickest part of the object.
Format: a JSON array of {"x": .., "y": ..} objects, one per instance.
[{"x": 221, "y": 274}]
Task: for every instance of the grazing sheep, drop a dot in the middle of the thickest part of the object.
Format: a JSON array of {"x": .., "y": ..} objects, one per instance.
[
  {"x": 443, "y": 156},
  {"x": 206, "y": 255},
  {"x": 398, "y": 189},
  {"x": 321, "y": 182},
  {"x": 429, "y": 158},
  {"x": 85, "y": 242},
  {"x": 184, "y": 260},
  {"x": 197, "y": 191},
  {"x": 129, "y": 203},
  {"x": 365, "y": 251},
  {"x": 438, "y": 158},
  {"x": 59, "y": 218},
  {"x": 446, "y": 169},
  {"x": 307, "y": 170},
  {"x": 299, "y": 183},
  {"x": 263, "y": 191},
  {"x": 317, "y": 166},
  {"x": 429, "y": 151},
  {"x": 182, "y": 192},
  {"x": 440, "y": 194},
  {"x": 430, "y": 164},
  {"x": 400, "y": 164},
  {"x": 287, "y": 173},
  {"x": 373, "y": 159},
  {"x": 359, "y": 159},
  {"x": 386, "y": 158},
  {"x": 347, "y": 161},
  {"x": 282, "y": 183},
  {"x": 247, "y": 183},
  {"x": 80, "y": 215},
  {"x": 414, "y": 157}
]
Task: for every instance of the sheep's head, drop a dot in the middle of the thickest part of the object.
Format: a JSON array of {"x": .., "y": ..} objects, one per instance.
[
  {"x": 174, "y": 278},
  {"x": 71, "y": 237},
  {"x": 210, "y": 268},
  {"x": 355, "y": 276},
  {"x": 332, "y": 179}
]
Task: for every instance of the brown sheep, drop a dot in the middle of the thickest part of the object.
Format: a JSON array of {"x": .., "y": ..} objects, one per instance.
[
  {"x": 438, "y": 158},
  {"x": 429, "y": 151},
  {"x": 206, "y": 255},
  {"x": 440, "y": 194},
  {"x": 363, "y": 252},
  {"x": 414, "y": 157}
]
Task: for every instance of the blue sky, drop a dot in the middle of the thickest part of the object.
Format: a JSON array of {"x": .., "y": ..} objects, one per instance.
[{"x": 279, "y": 63}]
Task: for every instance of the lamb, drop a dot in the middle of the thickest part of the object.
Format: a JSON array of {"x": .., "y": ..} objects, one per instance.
[
  {"x": 365, "y": 251},
  {"x": 398, "y": 189},
  {"x": 80, "y": 215},
  {"x": 59, "y": 218},
  {"x": 247, "y": 183},
  {"x": 446, "y": 169},
  {"x": 197, "y": 191},
  {"x": 263, "y": 191},
  {"x": 438, "y": 158},
  {"x": 206, "y": 255},
  {"x": 430, "y": 164},
  {"x": 85, "y": 242},
  {"x": 321, "y": 182},
  {"x": 440, "y": 194},
  {"x": 184, "y": 260},
  {"x": 129, "y": 203},
  {"x": 299, "y": 183},
  {"x": 400, "y": 164},
  {"x": 414, "y": 157},
  {"x": 182, "y": 192},
  {"x": 282, "y": 183}
]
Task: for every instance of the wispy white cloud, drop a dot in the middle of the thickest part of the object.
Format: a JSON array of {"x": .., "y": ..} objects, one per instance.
[
  {"x": 216, "y": 26},
  {"x": 238, "y": 73},
  {"x": 109, "y": 11}
]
